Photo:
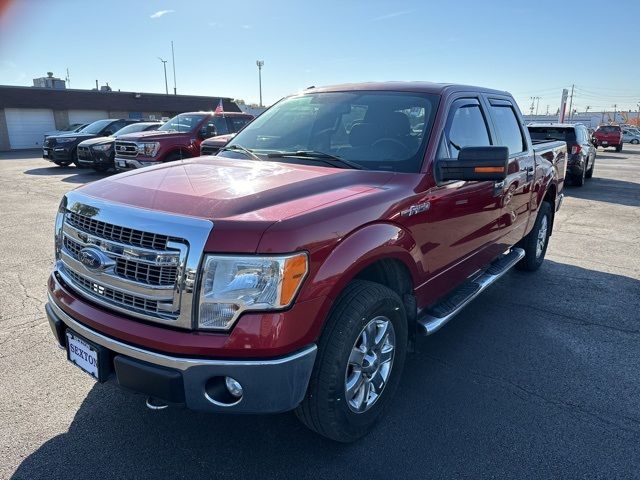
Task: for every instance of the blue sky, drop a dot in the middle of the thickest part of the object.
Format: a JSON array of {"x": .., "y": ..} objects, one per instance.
[{"x": 530, "y": 48}]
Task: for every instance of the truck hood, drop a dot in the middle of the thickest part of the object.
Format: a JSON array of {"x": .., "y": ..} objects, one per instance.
[
  {"x": 219, "y": 188},
  {"x": 96, "y": 141},
  {"x": 151, "y": 135}
]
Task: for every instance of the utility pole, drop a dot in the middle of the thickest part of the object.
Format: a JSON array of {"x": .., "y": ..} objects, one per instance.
[
  {"x": 615, "y": 111},
  {"x": 260, "y": 64},
  {"x": 537, "y": 105},
  {"x": 166, "y": 85},
  {"x": 173, "y": 61},
  {"x": 571, "y": 101},
  {"x": 533, "y": 103}
]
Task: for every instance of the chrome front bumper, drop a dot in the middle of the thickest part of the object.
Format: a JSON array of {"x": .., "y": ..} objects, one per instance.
[{"x": 270, "y": 386}]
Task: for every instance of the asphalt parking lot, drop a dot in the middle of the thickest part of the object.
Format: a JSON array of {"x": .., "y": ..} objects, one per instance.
[{"x": 538, "y": 378}]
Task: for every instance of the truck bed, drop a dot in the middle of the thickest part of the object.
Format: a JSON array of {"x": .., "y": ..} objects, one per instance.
[{"x": 555, "y": 151}]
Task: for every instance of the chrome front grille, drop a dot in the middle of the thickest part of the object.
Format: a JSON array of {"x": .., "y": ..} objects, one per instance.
[
  {"x": 133, "y": 261},
  {"x": 117, "y": 233},
  {"x": 126, "y": 149},
  {"x": 84, "y": 153},
  {"x": 132, "y": 269},
  {"x": 137, "y": 304}
]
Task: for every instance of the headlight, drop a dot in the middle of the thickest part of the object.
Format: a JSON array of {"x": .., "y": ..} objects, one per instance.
[
  {"x": 232, "y": 285},
  {"x": 62, "y": 209},
  {"x": 102, "y": 148},
  {"x": 148, "y": 149},
  {"x": 66, "y": 139}
]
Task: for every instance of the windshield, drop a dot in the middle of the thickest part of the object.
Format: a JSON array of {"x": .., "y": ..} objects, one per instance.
[
  {"x": 134, "y": 127},
  {"x": 376, "y": 130},
  {"x": 96, "y": 127},
  {"x": 185, "y": 122}
]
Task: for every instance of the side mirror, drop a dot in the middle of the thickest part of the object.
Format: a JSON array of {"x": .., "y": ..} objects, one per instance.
[
  {"x": 475, "y": 164},
  {"x": 208, "y": 132}
]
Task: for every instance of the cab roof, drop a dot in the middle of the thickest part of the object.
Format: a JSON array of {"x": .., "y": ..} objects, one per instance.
[{"x": 419, "y": 87}]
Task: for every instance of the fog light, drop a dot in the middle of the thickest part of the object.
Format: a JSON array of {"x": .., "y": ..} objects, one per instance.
[{"x": 233, "y": 386}]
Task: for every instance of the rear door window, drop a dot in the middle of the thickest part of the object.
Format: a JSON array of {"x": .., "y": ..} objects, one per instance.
[{"x": 507, "y": 127}]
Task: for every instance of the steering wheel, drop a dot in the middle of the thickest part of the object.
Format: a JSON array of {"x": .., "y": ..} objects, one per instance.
[{"x": 393, "y": 142}]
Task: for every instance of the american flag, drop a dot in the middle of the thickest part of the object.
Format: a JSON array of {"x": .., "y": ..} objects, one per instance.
[{"x": 219, "y": 108}]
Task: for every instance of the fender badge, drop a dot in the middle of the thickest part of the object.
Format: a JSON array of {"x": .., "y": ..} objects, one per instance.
[{"x": 415, "y": 209}]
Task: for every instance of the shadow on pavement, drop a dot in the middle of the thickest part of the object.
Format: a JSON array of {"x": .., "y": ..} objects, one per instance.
[
  {"x": 520, "y": 385},
  {"x": 73, "y": 174},
  {"x": 607, "y": 190}
]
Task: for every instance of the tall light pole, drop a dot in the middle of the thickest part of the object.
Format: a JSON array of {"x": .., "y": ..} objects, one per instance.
[
  {"x": 260, "y": 63},
  {"x": 166, "y": 85},
  {"x": 173, "y": 61}
]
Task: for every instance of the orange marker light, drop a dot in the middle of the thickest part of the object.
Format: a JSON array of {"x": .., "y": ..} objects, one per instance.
[
  {"x": 295, "y": 269},
  {"x": 488, "y": 169}
]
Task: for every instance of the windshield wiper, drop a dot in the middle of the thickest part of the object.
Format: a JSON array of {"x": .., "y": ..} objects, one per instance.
[
  {"x": 329, "y": 159},
  {"x": 240, "y": 148}
]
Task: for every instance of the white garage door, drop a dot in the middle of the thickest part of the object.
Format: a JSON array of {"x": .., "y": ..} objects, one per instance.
[
  {"x": 86, "y": 116},
  {"x": 27, "y": 126}
]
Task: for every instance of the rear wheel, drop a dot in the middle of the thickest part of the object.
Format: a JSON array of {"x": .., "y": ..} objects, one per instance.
[
  {"x": 635, "y": 141},
  {"x": 589, "y": 173},
  {"x": 536, "y": 242},
  {"x": 619, "y": 148},
  {"x": 578, "y": 180},
  {"x": 360, "y": 358}
]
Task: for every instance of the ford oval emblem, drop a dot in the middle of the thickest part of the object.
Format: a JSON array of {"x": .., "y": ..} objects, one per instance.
[{"x": 94, "y": 259}]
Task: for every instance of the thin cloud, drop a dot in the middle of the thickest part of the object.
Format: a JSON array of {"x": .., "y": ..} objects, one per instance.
[
  {"x": 391, "y": 15},
  {"x": 160, "y": 13}
]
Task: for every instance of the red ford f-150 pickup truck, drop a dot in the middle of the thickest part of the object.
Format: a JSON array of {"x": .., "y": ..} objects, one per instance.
[
  {"x": 295, "y": 269},
  {"x": 177, "y": 139}
]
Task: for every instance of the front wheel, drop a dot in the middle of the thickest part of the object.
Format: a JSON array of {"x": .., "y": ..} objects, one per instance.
[
  {"x": 536, "y": 242},
  {"x": 360, "y": 358}
]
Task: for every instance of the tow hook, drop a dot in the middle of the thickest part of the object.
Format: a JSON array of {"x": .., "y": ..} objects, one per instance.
[{"x": 155, "y": 404}]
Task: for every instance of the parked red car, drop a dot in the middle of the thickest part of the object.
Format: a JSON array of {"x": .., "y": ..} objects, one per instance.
[
  {"x": 177, "y": 139},
  {"x": 295, "y": 269},
  {"x": 608, "y": 136}
]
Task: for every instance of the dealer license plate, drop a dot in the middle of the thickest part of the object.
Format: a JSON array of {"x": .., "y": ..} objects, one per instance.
[{"x": 82, "y": 354}]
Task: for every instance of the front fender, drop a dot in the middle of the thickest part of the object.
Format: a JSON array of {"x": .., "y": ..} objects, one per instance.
[{"x": 360, "y": 249}]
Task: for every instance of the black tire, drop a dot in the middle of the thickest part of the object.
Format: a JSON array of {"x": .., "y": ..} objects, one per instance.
[
  {"x": 101, "y": 167},
  {"x": 619, "y": 148},
  {"x": 172, "y": 157},
  {"x": 325, "y": 408},
  {"x": 532, "y": 259},
  {"x": 589, "y": 173},
  {"x": 635, "y": 141},
  {"x": 63, "y": 163},
  {"x": 578, "y": 180}
]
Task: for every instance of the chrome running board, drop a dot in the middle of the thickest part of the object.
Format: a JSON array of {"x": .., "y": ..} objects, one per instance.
[{"x": 434, "y": 318}]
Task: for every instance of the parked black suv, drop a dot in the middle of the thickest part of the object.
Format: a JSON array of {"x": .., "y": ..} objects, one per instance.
[
  {"x": 98, "y": 153},
  {"x": 580, "y": 150},
  {"x": 61, "y": 149}
]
